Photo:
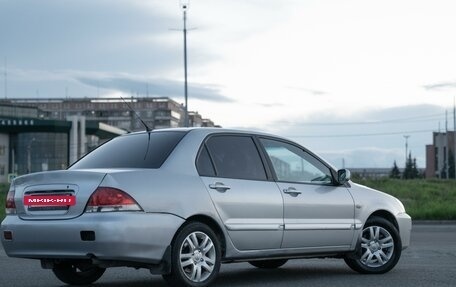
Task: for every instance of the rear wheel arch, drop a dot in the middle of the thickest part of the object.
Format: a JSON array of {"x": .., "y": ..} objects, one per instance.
[
  {"x": 196, "y": 253},
  {"x": 209, "y": 221}
]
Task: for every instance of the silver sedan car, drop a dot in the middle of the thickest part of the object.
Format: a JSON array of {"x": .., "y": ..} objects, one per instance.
[{"x": 180, "y": 202}]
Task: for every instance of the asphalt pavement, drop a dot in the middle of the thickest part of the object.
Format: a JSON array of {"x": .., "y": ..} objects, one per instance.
[{"x": 430, "y": 261}]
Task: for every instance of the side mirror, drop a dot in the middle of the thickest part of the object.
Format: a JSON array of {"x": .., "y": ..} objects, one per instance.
[{"x": 343, "y": 176}]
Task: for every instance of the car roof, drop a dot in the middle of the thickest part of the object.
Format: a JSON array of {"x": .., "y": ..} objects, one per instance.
[
  {"x": 202, "y": 132},
  {"x": 211, "y": 130}
]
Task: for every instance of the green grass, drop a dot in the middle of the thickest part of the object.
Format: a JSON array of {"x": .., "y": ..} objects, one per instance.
[
  {"x": 423, "y": 199},
  {"x": 429, "y": 199}
]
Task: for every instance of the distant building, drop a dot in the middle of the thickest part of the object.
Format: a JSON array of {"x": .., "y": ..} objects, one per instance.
[
  {"x": 440, "y": 155},
  {"x": 373, "y": 173},
  {"x": 30, "y": 143},
  {"x": 196, "y": 120},
  {"x": 157, "y": 113},
  {"x": 48, "y": 134}
]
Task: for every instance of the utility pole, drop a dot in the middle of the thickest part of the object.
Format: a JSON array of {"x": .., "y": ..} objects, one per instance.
[
  {"x": 184, "y": 6},
  {"x": 447, "y": 147},
  {"x": 406, "y": 148},
  {"x": 454, "y": 135}
]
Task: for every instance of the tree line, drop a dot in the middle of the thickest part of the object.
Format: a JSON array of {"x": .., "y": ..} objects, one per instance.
[{"x": 411, "y": 170}]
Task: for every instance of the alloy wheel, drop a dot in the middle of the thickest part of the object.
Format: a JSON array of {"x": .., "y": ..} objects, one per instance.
[
  {"x": 377, "y": 246},
  {"x": 197, "y": 256}
]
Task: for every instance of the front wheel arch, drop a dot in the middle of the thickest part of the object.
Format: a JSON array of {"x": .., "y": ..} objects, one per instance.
[{"x": 385, "y": 215}]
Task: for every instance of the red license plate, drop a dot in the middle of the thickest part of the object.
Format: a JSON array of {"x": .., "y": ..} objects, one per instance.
[{"x": 49, "y": 200}]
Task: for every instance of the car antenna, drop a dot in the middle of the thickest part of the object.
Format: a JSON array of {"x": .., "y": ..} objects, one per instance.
[{"x": 137, "y": 115}]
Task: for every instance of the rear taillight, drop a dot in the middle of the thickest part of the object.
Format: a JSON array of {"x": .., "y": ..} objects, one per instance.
[
  {"x": 111, "y": 199},
  {"x": 10, "y": 204}
]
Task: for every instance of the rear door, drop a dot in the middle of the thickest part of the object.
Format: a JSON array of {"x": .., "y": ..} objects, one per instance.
[
  {"x": 250, "y": 205},
  {"x": 317, "y": 213}
]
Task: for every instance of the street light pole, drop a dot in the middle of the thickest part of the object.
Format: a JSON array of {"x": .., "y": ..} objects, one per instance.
[{"x": 184, "y": 6}]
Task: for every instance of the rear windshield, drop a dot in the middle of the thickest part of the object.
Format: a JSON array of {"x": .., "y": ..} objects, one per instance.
[{"x": 144, "y": 150}]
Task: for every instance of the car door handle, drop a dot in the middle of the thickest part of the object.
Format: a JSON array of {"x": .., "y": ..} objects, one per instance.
[
  {"x": 292, "y": 191},
  {"x": 219, "y": 186}
]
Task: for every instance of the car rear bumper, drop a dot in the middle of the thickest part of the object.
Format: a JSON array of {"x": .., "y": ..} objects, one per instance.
[{"x": 123, "y": 236}]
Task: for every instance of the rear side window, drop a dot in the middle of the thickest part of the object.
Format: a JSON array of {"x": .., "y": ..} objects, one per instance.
[
  {"x": 144, "y": 150},
  {"x": 236, "y": 157},
  {"x": 204, "y": 164}
]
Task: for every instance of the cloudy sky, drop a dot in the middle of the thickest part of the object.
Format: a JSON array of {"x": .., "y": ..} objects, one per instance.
[{"x": 345, "y": 78}]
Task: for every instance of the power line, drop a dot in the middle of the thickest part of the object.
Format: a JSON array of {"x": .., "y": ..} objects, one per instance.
[
  {"x": 422, "y": 118},
  {"x": 360, "y": 135}
]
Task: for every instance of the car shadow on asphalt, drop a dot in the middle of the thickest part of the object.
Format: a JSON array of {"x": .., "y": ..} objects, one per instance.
[{"x": 285, "y": 276}]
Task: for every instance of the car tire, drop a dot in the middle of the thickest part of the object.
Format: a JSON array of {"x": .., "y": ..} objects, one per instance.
[
  {"x": 77, "y": 274},
  {"x": 195, "y": 256},
  {"x": 269, "y": 264},
  {"x": 381, "y": 248}
]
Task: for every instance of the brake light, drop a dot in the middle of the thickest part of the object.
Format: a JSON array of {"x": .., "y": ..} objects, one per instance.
[
  {"x": 10, "y": 204},
  {"x": 106, "y": 199}
]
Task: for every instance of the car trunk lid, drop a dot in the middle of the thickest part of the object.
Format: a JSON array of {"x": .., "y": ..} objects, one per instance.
[{"x": 56, "y": 194}]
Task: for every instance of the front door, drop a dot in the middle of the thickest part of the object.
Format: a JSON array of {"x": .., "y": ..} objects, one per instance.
[{"x": 317, "y": 212}]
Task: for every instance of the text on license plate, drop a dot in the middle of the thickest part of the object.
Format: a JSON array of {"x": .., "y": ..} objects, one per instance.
[{"x": 49, "y": 200}]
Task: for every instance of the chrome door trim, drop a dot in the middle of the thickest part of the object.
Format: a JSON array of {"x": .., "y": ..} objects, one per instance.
[
  {"x": 254, "y": 227},
  {"x": 316, "y": 226}
]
